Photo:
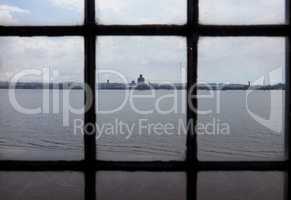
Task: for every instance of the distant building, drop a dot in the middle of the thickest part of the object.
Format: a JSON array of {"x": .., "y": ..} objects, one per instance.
[
  {"x": 141, "y": 85},
  {"x": 132, "y": 84},
  {"x": 140, "y": 79}
]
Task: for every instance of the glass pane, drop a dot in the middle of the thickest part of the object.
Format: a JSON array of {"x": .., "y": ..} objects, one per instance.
[
  {"x": 44, "y": 12},
  {"x": 241, "y": 98},
  {"x": 241, "y": 185},
  {"x": 141, "y": 98},
  {"x": 41, "y": 98},
  {"x": 141, "y": 11},
  {"x": 41, "y": 185},
  {"x": 140, "y": 185},
  {"x": 242, "y": 12}
]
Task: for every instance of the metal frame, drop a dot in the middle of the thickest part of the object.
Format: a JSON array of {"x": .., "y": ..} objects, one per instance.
[{"x": 192, "y": 31}]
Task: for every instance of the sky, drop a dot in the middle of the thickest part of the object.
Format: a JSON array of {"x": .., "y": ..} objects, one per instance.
[
  {"x": 159, "y": 59},
  {"x": 242, "y": 11}
]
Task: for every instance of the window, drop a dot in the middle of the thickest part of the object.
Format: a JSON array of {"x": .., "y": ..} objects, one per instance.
[
  {"x": 159, "y": 60},
  {"x": 253, "y": 116},
  {"x": 109, "y": 20},
  {"x": 36, "y": 124}
]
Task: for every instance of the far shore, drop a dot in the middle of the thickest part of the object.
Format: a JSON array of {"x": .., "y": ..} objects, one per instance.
[{"x": 148, "y": 86}]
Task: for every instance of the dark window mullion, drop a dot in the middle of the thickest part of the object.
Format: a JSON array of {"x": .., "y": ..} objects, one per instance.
[
  {"x": 192, "y": 48},
  {"x": 90, "y": 108},
  {"x": 90, "y": 78},
  {"x": 288, "y": 97},
  {"x": 288, "y": 110},
  {"x": 243, "y": 30},
  {"x": 90, "y": 115},
  {"x": 175, "y": 30},
  {"x": 288, "y": 82},
  {"x": 192, "y": 41}
]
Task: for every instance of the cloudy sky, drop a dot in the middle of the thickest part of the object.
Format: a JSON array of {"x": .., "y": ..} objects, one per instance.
[
  {"x": 242, "y": 11},
  {"x": 158, "y": 58}
]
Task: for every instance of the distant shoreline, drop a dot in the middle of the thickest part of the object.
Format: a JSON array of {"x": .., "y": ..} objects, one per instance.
[{"x": 151, "y": 86}]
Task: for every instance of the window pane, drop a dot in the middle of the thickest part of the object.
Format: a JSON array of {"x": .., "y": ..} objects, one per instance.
[
  {"x": 141, "y": 12},
  {"x": 41, "y": 185},
  {"x": 140, "y": 185},
  {"x": 39, "y": 111},
  {"x": 241, "y": 98},
  {"x": 44, "y": 12},
  {"x": 242, "y": 11},
  {"x": 241, "y": 185},
  {"x": 141, "y": 98}
]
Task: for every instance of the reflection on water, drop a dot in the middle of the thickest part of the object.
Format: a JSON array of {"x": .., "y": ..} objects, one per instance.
[
  {"x": 41, "y": 185},
  {"x": 140, "y": 185},
  {"x": 241, "y": 185},
  {"x": 143, "y": 185}
]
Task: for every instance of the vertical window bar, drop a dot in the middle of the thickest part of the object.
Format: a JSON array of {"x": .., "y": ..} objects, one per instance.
[
  {"x": 90, "y": 66},
  {"x": 191, "y": 99},
  {"x": 90, "y": 181},
  {"x": 288, "y": 96},
  {"x": 288, "y": 84},
  {"x": 89, "y": 12},
  {"x": 191, "y": 154},
  {"x": 90, "y": 115},
  {"x": 192, "y": 40},
  {"x": 191, "y": 184},
  {"x": 90, "y": 108}
]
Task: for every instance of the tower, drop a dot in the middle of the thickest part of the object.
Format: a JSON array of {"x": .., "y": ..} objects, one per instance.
[{"x": 140, "y": 79}]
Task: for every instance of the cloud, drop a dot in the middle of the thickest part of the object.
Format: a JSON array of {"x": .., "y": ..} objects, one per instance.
[
  {"x": 141, "y": 11},
  {"x": 242, "y": 11},
  {"x": 157, "y": 58},
  {"x": 239, "y": 59},
  {"x": 75, "y": 5},
  {"x": 62, "y": 54},
  {"x": 8, "y": 14}
]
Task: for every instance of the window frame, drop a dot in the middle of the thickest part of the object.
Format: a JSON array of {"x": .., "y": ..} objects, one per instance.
[{"x": 192, "y": 30}]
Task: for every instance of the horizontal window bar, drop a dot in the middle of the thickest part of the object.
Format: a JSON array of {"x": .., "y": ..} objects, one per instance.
[
  {"x": 243, "y": 166},
  {"x": 199, "y": 166},
  {"x": 42, "y": 30},
  {"x": 143, "y": 166},
  {"x": 95, "y": 29},
  {"x": 183, "y": 30},
  {"x": 252, "y": 30},
  {"x": 143, "y": 30}
]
